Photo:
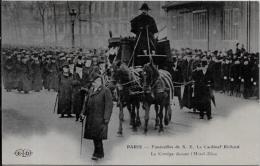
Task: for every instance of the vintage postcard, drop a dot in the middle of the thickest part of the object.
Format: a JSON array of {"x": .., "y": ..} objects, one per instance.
[{"x": 130, "y": 82}]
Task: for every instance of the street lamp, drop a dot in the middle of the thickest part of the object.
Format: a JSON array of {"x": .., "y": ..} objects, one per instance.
[{"x": 73, "y": 14}]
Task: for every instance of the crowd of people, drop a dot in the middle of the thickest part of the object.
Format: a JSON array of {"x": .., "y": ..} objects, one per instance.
[
  {"x": 200, "y": 72},
  {"x": 77, "y": 77},
  {"x": 72, "y": 73}
]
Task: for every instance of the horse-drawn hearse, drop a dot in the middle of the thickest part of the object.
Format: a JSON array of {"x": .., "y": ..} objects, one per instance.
[{"x": 140, "y": 79}]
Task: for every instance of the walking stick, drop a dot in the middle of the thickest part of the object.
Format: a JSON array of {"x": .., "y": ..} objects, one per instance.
[
  {"x": 56, "y": 100},
  {"x": 82, "y": 122},
  {"x": 81, "y": 136}
]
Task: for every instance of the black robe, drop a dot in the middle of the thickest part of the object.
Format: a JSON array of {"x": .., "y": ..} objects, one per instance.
[
  {"x": 140, "y": 24},
  {"x": 77, "y": 94},
  {"x": 65, "y": 95},
  {"x": 187, "y": 77},
  {"x": 202, "y": 90}
]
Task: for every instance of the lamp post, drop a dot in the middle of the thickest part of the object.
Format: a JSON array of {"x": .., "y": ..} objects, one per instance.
[{"x": 73, "y": 14}]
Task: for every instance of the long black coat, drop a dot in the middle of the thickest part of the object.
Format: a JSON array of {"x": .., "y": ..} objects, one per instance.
[
  {"x": 187, "y": 77},
  {"x": 138, "y": 25},
  {"x": 77, "y": 94},
  {"x": 217, "y": 76},
  {"x": 202, "y": 90},
  {"x": 98, "y": 112},
  {"x": 177, "y": 78},
  {"x": 246, "y": 75},
  {"x": 65, "y": 95}
]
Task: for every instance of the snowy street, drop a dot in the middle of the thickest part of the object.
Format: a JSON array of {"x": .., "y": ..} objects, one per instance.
[{"x": 29, "y": 123}]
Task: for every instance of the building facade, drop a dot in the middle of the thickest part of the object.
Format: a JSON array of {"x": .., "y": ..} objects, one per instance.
[
  {"x": 213, "y": 25},
  {"x": 22, "y": 21}
]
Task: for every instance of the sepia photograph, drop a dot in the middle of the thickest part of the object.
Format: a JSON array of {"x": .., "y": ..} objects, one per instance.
[{"x": 130, "y": 82}]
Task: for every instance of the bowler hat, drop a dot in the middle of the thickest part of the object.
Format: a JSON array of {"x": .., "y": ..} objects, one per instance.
[{"x": 144, "y": 7}]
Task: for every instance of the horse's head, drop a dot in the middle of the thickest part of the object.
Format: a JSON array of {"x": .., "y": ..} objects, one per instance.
[
  {"x": 121, "y": 73},
  {"x": 150, "y": 74}
]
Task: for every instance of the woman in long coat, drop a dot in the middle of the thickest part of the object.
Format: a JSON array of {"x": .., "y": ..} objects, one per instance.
[
  {"x": 65, "y": 93},
  {"x": 98, "y": 111}
]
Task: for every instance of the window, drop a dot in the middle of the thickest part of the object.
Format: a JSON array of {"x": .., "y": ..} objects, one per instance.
[
  {"x": 200, "y": 25},
  {"x": 102, "y": 9},
  {"x": 116, "y": 9},
  {"x": 61, "y": 28},
  {"x": 230, "y": 24},
  {"x": 178, "y": 27}
]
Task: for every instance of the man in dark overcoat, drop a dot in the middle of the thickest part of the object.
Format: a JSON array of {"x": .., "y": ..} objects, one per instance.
[
  {"x": 177, "y": 78},
  {"x": 246, "y": 76},
  {"x": 53, "y": 75},
  {"x": 77, "y": 94},
  {"x": 65, "y": 93},
  {"x": 255, "y": 76},
  {"x": 217, "y": 73},
  {"x": 187, "y": 67},
  {"x": 144, "y": 25},
  {"x": 202, "y": 90},
  {"x": 98, "y": 111},
  {"x": 226, "y": 75},
  {"x": 235, "y": 74}
]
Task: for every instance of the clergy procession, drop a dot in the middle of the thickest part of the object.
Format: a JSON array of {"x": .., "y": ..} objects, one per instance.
[{"x": 141, "y": 75}]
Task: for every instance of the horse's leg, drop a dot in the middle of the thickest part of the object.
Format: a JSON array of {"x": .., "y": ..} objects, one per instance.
[
  {"x": 161, "y": 118},
  {"x": 129, "y": 108},
  {"x": 138, "y": 120},
  {"x": 147, "y": 109},
  {"x": 156, "y": 108},
  {"x": 167, "y": 115},
  {"x": 134, "y": 117},
  {"x": 121, "y": 118}
]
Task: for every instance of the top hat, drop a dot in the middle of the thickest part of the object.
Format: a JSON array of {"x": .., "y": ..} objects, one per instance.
[{"x": 144, "y": 7}]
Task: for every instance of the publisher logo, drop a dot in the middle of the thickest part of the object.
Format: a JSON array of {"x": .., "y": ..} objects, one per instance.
[{"x": 23, "y": 152}]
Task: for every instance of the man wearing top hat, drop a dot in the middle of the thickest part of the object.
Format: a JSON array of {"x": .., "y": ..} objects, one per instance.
[{"x": 144, "y": 25}]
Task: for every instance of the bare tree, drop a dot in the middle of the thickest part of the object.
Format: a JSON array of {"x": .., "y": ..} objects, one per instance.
[
  {"x": 53, "y": 4},
  {"x": 80, "y": 27},
  {"x": 90, "y": 16},
  {"x": 42, "y": 6}
]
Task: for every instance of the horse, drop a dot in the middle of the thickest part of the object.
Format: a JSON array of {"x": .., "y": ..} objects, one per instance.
[
  {"x": 127, "y": 89},
  {"x": 158, "y": 90}
]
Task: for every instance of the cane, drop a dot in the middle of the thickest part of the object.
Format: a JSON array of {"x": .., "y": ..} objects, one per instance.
[
  {"x": 56, "y": 100},
  {"x": 81, "y": 136},
  {"x": 82, "y": 122}
]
